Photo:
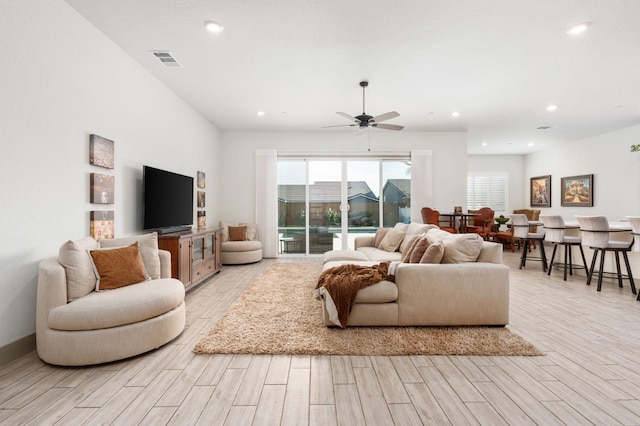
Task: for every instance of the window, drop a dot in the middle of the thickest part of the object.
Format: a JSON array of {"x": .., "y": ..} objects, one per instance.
[{"x": 488, "y": 189}]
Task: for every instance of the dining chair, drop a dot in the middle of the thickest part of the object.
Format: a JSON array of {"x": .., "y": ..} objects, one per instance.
[
  {"x": 481, "y": 222},
  {"x": 595, "y": 235},
  {"x": 522, "y": 229},
  {"x": 432, "y": 216},
  {"x": 555, "y": 233}
]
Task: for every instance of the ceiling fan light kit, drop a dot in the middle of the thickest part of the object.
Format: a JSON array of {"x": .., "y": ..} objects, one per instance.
[{"x": 365, "y": 120}]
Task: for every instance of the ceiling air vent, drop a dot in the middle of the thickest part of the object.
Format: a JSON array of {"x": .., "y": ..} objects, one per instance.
[{"x": 166, "y": 58}]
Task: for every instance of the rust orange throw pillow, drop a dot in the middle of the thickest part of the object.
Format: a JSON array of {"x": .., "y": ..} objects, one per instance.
[
  {"x": 118, "y": 267},
  {"x": 237, "y": 233}
]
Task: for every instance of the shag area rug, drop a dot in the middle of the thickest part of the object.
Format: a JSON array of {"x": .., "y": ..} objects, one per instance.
[{"x": 279, "y": 315}]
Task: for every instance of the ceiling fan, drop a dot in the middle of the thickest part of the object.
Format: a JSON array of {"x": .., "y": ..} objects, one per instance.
[{"x": 364, "y": 120}]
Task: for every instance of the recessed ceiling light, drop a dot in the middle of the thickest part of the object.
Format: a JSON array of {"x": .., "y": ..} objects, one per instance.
[
  {"x": 578, "y": 29},
  {"x": 530, "y": 144},
  {"x": 484, "y": 144},
  {"x": 214, "y": 26},
  {"x": 552, "y": 108},
  {"x": 260, "y": 113},
  {"x": 455, "y": 114}
]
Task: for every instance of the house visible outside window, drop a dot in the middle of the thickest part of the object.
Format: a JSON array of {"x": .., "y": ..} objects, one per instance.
[{"x": 488, "y": 189}]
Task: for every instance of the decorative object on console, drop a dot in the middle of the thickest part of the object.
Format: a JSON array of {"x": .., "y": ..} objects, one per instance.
[
  {"x": 540, "y": 191},
  {"x": 101, "y": 224},
  {"x": 102, "y": 188},
  {"x": 101, "y": 152},
  {"x": 577, "y": 191}
]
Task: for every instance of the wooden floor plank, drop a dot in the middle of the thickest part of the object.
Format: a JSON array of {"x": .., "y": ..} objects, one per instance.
[{"x": 590, "y": 373}]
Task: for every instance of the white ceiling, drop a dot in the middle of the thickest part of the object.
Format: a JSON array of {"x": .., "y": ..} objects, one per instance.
[{"x": 498, "y": 62}]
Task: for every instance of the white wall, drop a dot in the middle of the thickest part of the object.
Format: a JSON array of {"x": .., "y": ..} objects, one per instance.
[
  {"x": 238, "y": 150},
  {"x": 511, "y": 164},
  {"x": 616, "y": 173},
  {"x": 62, "y": 80}
]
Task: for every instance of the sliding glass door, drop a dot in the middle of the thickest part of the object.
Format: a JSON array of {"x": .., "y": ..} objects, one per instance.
[{"x": 323, "y": 204}]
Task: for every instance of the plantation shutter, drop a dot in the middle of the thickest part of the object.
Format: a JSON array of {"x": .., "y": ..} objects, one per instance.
[{"x": 488, "y": 190}]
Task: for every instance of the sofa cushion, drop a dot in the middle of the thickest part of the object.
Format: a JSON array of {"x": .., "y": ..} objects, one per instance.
[
  {"x": 252, "y": 230},
  {"x": 122, "y": 306},
  {"x": 334, "y": 255},
  {"x": 421, "y": 246},
  {"x": 392, "y": 240},
  {"x": 437, "y": 234},
  {"x": 237, "y": 233},
  {"x": 118, "y": 267},
  {"x": 434, "y": 253},
  {"x": 414, "y": 228},
  {"x": 461, "y": 248},
  {"x": 225, "y": 230},
  {"x": 380, "y": 292},
  {"x": 380, "y": 233},
  {"x": 378, "y": 255},
  {"x": 148, "y": 244},
  {"x": 406, "y": 254},
  {"x": 238, "y": 246},
  {"x": 81, "y": 278}
]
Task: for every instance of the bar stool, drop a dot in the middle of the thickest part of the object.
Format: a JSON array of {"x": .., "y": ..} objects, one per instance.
[
  {"x": 555, "y": 233},
  {"x": 595, "y": 234},
  {"x": 521, "y": 229}
]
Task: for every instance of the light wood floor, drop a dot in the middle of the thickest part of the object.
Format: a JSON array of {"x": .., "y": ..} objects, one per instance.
[{"x": 590, "y": 374}]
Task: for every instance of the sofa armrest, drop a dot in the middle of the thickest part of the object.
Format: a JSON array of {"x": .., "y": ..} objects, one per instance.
[
  {"x": 165, "y": 263},
  {"x": 491, "y": 253},
  {"x": 51, "y": 293},
  {"x": 364, "y": 241}
]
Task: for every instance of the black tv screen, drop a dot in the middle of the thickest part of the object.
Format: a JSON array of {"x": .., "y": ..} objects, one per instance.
[{"x": 168, "y": 200}]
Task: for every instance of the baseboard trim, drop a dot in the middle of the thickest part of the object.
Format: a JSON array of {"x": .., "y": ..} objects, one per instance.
[{"x": 16, "y": 349}]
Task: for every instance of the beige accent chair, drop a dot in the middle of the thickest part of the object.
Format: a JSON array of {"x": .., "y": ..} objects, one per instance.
[
  {"x": 241, "y": 252},
  {"x": 76, "y": 325}
]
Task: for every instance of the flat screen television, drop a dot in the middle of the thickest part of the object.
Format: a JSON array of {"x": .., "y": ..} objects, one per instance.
[{"x": 168, "y": 201}]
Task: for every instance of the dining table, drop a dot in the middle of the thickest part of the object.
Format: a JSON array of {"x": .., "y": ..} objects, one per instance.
[{"x": 459, "y": 220}]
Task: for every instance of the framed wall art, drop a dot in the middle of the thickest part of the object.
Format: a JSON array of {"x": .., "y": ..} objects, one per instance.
[
  {"x": 201, "y": 202},
  {"x": 540, "y": 191},
  {"x": 101, "y": 152},
  {"x": 201, "y": 179},
  {"x": 101, "y": 224},
  {"x": 577, "y": 191},
  {"x": 202, "y": 219},
  {"x": 102, "y": 188}
]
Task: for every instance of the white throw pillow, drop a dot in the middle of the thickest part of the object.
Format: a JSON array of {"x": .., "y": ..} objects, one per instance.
[
  {"x": 225, "y": 230},
  {"x": 252, "y": 230},
  {"x": 392, "y": 240},
  {"x": 78, "y": 267},
  {"x": 461, "y": 248}
]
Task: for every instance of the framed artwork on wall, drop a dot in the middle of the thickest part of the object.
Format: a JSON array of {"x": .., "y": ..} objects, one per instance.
[
  {"x": 201, "y": 180},
  {"x": 101, "y": 152},
  {"x": 101, "y": 224},
  {"x": 202, "y": 219},
  {"x": 201, "y": 202},
  {"x": 540, "y": 191},
  {"x": 102, "y": 188},
  {"x": 577, "y": 191}
]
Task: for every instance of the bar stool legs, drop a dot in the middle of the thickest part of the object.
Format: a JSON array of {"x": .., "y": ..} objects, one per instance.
[
  {"x": 568, "y": 259},
  {"x": 619, "y": 275},
  {"x": 543, "y": 255}
]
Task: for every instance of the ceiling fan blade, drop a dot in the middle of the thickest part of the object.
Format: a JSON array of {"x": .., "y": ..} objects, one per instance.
[
  {"x": 387, "y": 126},
  {"x": 340, "y": 125},
  {"x": 385, "y": 116},
  {"x": 348, "y": 117}
]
